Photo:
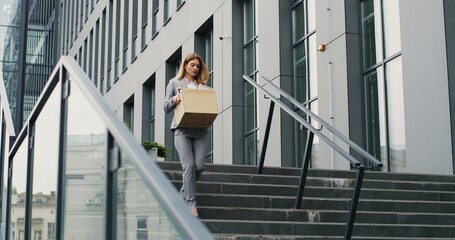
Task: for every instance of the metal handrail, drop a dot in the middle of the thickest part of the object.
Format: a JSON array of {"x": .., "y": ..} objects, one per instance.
[
  {"x": 338, "y": 134},
  {"x": 298, "y": 118},
  {"x": 313, "y": 131}
]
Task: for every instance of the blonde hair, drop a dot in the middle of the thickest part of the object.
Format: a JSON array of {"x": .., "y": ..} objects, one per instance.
[{"x": 203, "y": 73}]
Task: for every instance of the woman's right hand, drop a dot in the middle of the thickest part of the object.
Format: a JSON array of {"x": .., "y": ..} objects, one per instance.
[{"x": 176, "y": 99}]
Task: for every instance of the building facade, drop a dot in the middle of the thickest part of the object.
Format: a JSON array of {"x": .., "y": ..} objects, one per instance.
[
  {"x": 28, "y": 52},
  {"x": 376, "y": 70}
]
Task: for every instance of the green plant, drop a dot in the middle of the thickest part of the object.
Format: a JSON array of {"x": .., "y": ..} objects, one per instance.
[{"x": 162, "y": 150}]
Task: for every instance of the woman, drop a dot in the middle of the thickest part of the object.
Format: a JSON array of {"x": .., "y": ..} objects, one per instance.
[{"x": 190, "y": 142}]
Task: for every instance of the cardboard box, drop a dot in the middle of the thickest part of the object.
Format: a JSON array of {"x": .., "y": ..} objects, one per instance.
[{"x": 198, "y": 108}]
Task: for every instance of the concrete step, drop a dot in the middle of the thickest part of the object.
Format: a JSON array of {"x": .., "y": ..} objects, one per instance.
[
  {"x": 236, "y": 203},
  {"x": 287, "y": 171},
  {"x": 293, "y": 237},
  {"x": 292, "y": 215},
  {"x": 316, "y": 191},
  {"x": 320, "y": 181},
  {"x": 264, "y": 201},
  {"x": 328, "y": 229}
]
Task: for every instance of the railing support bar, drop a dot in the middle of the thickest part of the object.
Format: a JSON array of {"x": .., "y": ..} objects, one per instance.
[
  {"x": 354, "y": 203},
  {"x": 304, "y": 173},
  {"x": 266, "y": 137}
]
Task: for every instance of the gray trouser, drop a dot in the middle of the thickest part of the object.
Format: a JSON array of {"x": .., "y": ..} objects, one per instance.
[{"x": 191, "y": 144}]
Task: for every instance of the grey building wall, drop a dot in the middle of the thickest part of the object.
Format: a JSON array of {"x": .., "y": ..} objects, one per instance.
[
  {"x": 332, "y": 76},
  {"x": 424, "y": 59},
  {"x": 337, "y": 70}
]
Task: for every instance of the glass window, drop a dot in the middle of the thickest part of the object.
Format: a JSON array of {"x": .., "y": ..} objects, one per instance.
[
  {"x": 311, "y": 15},
  {"x": 50, "y": 231},
  {"x": 86, "y": 9},
  {"x": 249, "y": 69},
  {"x": 304, "y": 76},
  {"x": 155, "y": 8},
  {"x": 68, "y": 23},
  {"x": 102, "y": 50},
  {"x": 152, "y": 114},
  {"x": 395, "y": 105},
  {"x": 82, "y": 14},
  {"x": 90, "y": 57},
  {"x": 126, "y": 12},
  {"x": 117, "y": 39},
  {"x": 392, "y": 31},
  {"x": 375, "y": 102},
  {"x": 84, "y": 57},
  {"x": 383, "y": 92},
  {"x": 300, "y": 72},
  {"x": 134, "y": 41},
  {"x": 144, "y": 23},
  {"x": 79, "y": 59},
  {"x": 141, "y": 228},
  {"x": 128, "y": 113},
  {"x": 96, "y": 53},
  {"x": 166, "y": 16},
  {"x": 369, "y": 34},
  {"x": 180, "y": 4},
  {"x": 110, "y": 38},
  {"x": 298, "y": 23},
  {"x": 76, "y": 7}
]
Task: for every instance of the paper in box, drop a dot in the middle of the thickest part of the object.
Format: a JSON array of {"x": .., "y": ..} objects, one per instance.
[{"x": 198, "y": 108}]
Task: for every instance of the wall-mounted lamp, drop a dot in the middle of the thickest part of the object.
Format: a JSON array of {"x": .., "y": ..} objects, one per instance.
[{"x": 321, "y": 48}]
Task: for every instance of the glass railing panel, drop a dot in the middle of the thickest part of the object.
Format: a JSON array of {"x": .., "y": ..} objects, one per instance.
[
  {"x": 4, "y": 176},
  {"x": 139, "y": 214},
  {"x": 45, "y": 168},
  {"x": 18, "y": 191},
  {"x": 84, "y": 172}
]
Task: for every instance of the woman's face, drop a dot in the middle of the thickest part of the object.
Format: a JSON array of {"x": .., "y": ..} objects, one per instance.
[{"x": 192, "y": 68}]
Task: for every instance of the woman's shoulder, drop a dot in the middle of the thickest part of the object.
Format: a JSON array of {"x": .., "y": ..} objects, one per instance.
[{"x": 175, "y": 81}]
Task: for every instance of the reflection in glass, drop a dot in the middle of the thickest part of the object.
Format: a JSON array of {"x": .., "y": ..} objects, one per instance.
[
  {"x": 139, "y": 215},
  {"x": 311, "y": 13},
  {"x": 300, "y": 72},
  {"x": 84, "y": 170},
  {"x": 250, "y": 105},
  {"x": 251, "y": 149},
  {"x": 249, "y": 69},
  {"x": 392, "y": 31},
  {"x": 298, "y": 23},
  {"x": 395, "y": 100},
  {"x": 368, "y": 31},
  {"x": 45, "y": 167},
  {"x": 249, "y": 61},
  {"x": 376, "y": 117},
  {"x": 9, "y": 48},
  {"x": 249, "y": 31},
  {"x": 4, "y": 180},
  {"x": 18, "y": 188},
  {"x": 40, "y": 52}
]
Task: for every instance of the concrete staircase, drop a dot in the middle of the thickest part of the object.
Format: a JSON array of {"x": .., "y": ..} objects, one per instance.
[{"x": 236, "y": 203}]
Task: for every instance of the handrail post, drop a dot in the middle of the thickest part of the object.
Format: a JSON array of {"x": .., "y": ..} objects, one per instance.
[
  {"x": 354, "y": 203},
  {"x": 266, "y": 137},
  {"x": 304, "y": 173}
]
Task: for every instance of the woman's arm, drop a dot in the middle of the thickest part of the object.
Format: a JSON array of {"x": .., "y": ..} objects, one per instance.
[{"x": 169, "y": 104}]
